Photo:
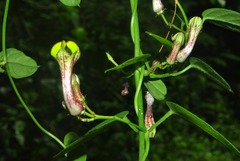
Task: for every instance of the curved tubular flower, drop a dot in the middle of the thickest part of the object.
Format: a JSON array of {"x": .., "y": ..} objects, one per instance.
[
  {"x": 194, "y": 27},
  {"x": 67, "y": 54},
  {"x": 149, "y": 119},
  {"x": 178, "y": 40}
]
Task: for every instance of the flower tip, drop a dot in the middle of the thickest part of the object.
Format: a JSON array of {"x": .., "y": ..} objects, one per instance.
[
  {"x": 55, "y": 49},
  {"x": 196, "y": 22},
  {"x": 72, "y": 46}
]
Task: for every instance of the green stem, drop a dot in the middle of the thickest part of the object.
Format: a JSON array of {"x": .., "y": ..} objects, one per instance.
[
  {"x": 138, "y": 75},
  {"x": 29, "y": 112},
  {"x": 151, "y": 75},
  {"x": 12, "y": 82},
  {"x": 4, "y": 27},
  {"x": 183, "y": 13},
  {"x": 147, "y": 140},
  {"x": 161, "y": 120},
  {"x": 167, "y": 23},
  {"x": 135, "y": 127}
]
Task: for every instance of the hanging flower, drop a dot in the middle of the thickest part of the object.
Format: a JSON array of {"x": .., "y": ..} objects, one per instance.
[
  {"x": 194, "y": 27},
  {"x": 149, "y": 119},
  {"x": 67, "y": 54}
]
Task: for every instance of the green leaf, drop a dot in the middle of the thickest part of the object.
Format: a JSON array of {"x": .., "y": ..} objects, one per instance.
[
  {"x": 210, "y": 72},
  {"x": 131, "y": 61},
  {"x": 157, "y": 89},
  {"x": 71, "y": 3},
  {"x": 91, "y": 133},
  {"x": 19, "y": 64},
  {"x": 82, "y": 158},
  {"x": 69, "y": 138},
  {"x": 223, "y": 17},
  {"x": 162, "y": 40},
  {"x": 202, "y": 124}
]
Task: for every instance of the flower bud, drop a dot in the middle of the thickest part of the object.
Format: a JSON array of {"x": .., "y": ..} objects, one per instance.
[
  {"x": 194, "y": 27},
  {"x": 125, "y": 91},
  {"x": 157, "y": 6},
  {"x": 155, "y": 64},
  {"x": 178, "y": 40},
  {"x": 149, "y": 120}
]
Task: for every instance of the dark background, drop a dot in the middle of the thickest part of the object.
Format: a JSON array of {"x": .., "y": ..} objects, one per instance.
[{"x": 103, "y": 26}]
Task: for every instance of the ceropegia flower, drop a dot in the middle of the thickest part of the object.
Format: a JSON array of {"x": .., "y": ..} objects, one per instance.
[
  {"x": 194, "y": 27},
  {"x": 149, "y": 119},
  {"x": 67, "y": 54},
  {"x": 158, "y": 7},
  {"x": 178, "y": 40}
]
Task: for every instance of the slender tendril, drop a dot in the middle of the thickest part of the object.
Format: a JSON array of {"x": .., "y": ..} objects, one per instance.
[
  {"x": 183, "y": 13},
  {"x": 12, "y": 82},
  {"x": 170, "y": 74},
  {"x": 4, "y": 27}
]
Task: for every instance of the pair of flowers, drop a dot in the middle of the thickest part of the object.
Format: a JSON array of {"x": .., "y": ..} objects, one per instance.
[
  {"x": 194, "y": 27},
  {"x": 177, "y": 55}
]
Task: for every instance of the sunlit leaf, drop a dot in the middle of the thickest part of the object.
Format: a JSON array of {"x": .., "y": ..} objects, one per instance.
[
  {"x": 19, "y": 64},
  {"x": 223, "y": 17},
  {"x": 131, "y": 61},
  {"x": 157, "y": 89},
  {"x": 91, "y": 133},
  {"x": 210, "y": 72},
  {"x": 202, "y": 124},
  {"x": 71, "y": 3},
  {"x": 160, "y": 39}
]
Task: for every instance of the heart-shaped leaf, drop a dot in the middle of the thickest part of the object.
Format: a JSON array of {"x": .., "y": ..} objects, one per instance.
[{"x": 19, "y": 64}]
